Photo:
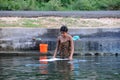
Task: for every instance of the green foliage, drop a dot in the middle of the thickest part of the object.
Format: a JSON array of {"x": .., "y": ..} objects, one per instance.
[
  {"x": 18, "y": 5},
  {"x": 52, "y": 5},
  {"x": 114, "y": 5},
  {"x": 59, "y": 5},
  {"x": 83, "y": 5},
  {"x": 97, "y": 5}
]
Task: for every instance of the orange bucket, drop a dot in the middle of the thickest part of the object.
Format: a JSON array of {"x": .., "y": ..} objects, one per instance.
[{"x": 43, "y": 48}]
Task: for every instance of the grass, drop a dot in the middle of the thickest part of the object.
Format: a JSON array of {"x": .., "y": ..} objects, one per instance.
[
  {"x": 10, "y": 24},
  {"x": 30, "y": 23},
  {"x": 56, "y": 22}
]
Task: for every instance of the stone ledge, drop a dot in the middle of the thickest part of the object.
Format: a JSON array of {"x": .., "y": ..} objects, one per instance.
[
  {"x": 28, "y": 53},
  {"x": 50, "y": 53},
  {"x": 82, "y": 14},
  {"x": 21, "y": 53}
]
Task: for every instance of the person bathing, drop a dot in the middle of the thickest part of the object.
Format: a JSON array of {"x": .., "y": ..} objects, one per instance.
[{"x": 65, "y": 44}]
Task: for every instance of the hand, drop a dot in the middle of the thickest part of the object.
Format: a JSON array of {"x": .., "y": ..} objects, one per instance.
[
  {"x": 53, "y": 57},
  {"x": 70, "y": 58}
]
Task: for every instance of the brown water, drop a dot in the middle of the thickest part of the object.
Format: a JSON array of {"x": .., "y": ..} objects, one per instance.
[{"x": 81, "y": 68}]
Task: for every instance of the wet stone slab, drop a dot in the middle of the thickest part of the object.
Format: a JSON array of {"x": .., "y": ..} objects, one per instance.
[{"x": 95, "y": 40}]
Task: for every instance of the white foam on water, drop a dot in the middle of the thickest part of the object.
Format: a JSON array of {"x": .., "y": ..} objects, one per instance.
[
  {"x": 34, "y": 65},
  {"x": 53, "y": 59},
  {"x": 76, "y": 61}
]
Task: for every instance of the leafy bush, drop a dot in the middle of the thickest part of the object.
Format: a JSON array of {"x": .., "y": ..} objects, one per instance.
[
  {"x": 53, "y": 5},
  {"x": 18, "y": 5},
  {"x": 83, "y": 5},
  {"x": 59, "y": 5}
]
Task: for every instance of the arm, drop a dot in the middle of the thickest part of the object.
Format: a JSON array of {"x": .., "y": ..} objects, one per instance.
[
  {"x": 72, "y": 48},
  {"x": 57, "y": 46}
]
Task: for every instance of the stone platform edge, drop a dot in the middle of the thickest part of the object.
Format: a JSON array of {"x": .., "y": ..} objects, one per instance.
[
  {"x": 27, "y": 53},
  {"x": 50, "y": 53}
]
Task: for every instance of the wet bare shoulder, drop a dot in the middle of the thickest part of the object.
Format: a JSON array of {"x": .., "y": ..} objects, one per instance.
[{"x": 70, "y": 37}]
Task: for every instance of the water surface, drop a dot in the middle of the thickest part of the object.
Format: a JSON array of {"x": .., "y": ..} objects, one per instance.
[{"x": 81, "y": 68}]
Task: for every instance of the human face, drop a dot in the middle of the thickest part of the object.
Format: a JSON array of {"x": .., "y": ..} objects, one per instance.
[{"x": 63, "y": 34}]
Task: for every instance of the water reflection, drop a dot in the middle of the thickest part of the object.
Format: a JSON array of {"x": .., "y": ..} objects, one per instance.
[
  {"x": 82, "y": 67},
  {"x": 43, "y": 69},
  {"x": 60, "y": 69},
  {"x": 64, "y": 69}
]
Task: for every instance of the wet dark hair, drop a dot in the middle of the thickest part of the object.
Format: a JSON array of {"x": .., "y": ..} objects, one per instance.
[{"x": 63, "y": 29}]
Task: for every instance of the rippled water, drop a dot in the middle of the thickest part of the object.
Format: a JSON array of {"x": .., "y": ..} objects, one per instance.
[{"x": 81, "y": 68}]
